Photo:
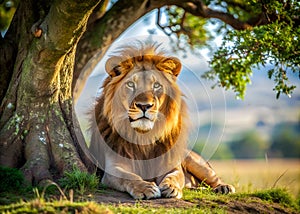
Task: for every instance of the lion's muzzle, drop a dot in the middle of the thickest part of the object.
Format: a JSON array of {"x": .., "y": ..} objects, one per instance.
[{"x": 143, "y": 112}]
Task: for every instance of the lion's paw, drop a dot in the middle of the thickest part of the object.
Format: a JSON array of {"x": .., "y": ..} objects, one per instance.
[
  {"x": 145, "y": 190},
  {"x": 170, "y": 188},
  {"x": 224, "y": 189}
]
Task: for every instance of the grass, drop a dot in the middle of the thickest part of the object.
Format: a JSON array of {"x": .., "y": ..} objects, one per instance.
[
  {"x": 275, "y": 195},
  {"x": 205, "y": 201},
  {"x": 62, "y": 206},
  {"x": 11, "y": 179},
  {"x": 79, "y": 181},
  {"x": 79, "y": 186},
  {"x": 41, "y": 206},
  {"x": 267, "y": 198},
  {"x": 252, "y": 175}
]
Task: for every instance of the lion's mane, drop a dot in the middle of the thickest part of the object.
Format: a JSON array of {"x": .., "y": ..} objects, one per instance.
[{"x": 163, "y": 138}]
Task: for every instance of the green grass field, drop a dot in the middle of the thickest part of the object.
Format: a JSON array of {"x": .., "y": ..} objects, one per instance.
[
  {"x": 251, "y": 175},
  {"x": 262, "y": 187}
]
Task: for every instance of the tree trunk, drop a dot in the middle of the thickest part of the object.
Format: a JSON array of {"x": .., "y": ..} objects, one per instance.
[{"x": 37, "y": 132}]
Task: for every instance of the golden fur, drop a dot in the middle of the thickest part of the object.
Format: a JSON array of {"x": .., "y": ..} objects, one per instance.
[{"x": 142, "y": 117}]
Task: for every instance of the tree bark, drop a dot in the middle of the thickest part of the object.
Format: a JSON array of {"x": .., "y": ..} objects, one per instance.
[{"x": 37, "y": 132}]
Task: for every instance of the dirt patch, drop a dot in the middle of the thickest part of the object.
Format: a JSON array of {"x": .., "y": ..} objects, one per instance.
[
  {"x": 124, "y": 199},
  {"x": 253, "y": 207},
  {"x": 247, "y": 205}
]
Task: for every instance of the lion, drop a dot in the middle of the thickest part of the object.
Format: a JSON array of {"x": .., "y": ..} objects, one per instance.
[{"x": 141, "y": 133}]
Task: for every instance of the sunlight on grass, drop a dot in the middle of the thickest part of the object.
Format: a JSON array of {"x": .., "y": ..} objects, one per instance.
[
  {"x": 203, "y": 201},
  {"x": 252, "y": 175},
  {"x": 257, "y": 185},
  {"x": 41, "y": 206},
  {"x": 259, "y": 197}
]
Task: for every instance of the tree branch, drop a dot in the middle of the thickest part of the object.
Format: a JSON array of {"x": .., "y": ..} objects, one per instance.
[
  {"x": 98, "y": 12},
  {"x": 242, "y": 5},
  {"x": 102, "y": 33},
  {"x": 106, "y": 30},
  {"x": 198, "y": 8},
  {"x": 163, "y": 28}
]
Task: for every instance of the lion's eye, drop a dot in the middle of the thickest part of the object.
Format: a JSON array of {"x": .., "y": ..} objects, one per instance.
[
  {"x": 130, "y": 84},
  {"x": 156, "y": 85}
]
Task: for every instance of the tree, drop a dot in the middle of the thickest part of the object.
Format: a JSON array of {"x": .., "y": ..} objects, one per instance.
[
  {"x": 48, "y": 43},
  {"x": 222, "y": 152},
  {"x": 250, "y": 146},
  {"x": 285, "y": 141}
]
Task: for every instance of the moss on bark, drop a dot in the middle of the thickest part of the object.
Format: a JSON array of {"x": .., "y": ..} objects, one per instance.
[{"x": 36, "y": 127}]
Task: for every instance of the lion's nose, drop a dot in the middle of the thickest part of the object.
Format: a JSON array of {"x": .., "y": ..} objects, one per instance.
[{"x": 144, "y": 107}]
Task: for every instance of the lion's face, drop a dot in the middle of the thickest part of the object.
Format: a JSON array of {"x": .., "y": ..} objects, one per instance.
[{"x": 144, "y": 94}]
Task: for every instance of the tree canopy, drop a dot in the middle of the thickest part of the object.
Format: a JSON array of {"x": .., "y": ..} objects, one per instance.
[{"x": 266, "y": 36}]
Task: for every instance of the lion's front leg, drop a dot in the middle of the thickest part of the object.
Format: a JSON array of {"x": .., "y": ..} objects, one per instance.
[
  {"x": 135, "y": 186},
  {"x": 201, "y": 170},
  {"x": 172, "y": 184}
]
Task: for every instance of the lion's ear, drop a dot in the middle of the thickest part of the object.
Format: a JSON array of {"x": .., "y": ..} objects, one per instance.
[
  {"x": 116, "y": 65},
  {"x": 112, "y": 66},
  {"x": 170, "y": 64}
]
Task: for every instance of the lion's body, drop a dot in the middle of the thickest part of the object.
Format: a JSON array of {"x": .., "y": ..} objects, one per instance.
[{"x": 142, "y": 120}]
